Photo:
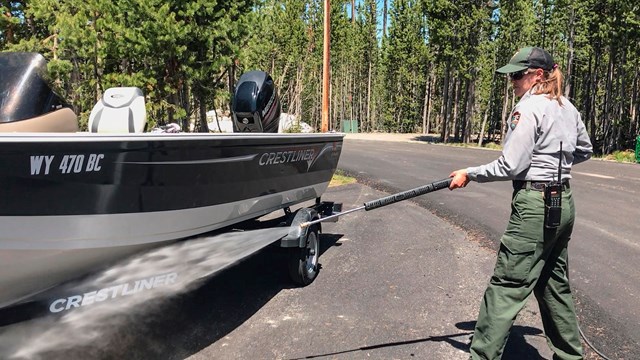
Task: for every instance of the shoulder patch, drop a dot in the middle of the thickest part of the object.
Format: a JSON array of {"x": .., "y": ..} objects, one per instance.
[{"x": 515, "y": 119}]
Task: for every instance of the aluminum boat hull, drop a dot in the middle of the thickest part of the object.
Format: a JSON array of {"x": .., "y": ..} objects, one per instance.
[{"x": 74, "y": 202}]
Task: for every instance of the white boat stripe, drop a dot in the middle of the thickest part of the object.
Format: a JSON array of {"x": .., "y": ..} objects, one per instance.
[{"x": 105, "y": 231}]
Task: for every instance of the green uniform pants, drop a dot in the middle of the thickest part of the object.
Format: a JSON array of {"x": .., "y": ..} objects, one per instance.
[{"x": 531, "y": 258}]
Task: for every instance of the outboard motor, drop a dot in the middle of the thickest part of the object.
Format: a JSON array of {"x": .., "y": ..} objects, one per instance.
[
  {"x": 256, "y": 107},
  {"x": 27, "y": 102}
]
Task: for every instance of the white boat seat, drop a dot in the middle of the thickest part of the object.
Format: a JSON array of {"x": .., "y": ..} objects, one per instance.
[{"x": 121, "y": 110}]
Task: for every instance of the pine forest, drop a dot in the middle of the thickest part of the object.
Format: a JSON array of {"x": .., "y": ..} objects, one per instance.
[{"x": 423, "y": 66}]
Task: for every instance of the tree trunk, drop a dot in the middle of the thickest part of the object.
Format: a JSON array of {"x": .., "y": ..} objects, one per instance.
[
  {"x": 484, "y": 123},
  {"x": 232, "y": 84},
  {"x": 9, "y": 30},
  {"x": 432, "y": 80},
  {"x": 202, "y": 105},
  {"x": 619, "y": 84},
  {"x": 505, "y": 110},
  {"x": 446, "y": 102},
  {"x": 468, "y": 116},
  {"x": 569, "y": 72},
  {"x": 370, "y": 121},
  {"x": 351, "y": 94},
  {"x": 633, "y": 107},
  {"x": 592, "y": 97},
  {"x": 425, "y": 104},
  {"x": 384, "y": 18},
  {"x": 185, "y": 99},
  {"x": 486, "y": 112},
  {"x": 457, "y": 86},
  {"x": 607, "y": 129}
]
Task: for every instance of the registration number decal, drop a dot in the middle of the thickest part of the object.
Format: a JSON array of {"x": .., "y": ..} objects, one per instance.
[{"x": 65, "y": 164}]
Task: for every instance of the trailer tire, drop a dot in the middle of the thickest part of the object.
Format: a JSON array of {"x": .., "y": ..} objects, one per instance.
[{"x": 303, "y": 262}]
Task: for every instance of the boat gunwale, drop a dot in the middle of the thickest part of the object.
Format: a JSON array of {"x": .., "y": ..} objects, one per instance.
[{"x": 101, "y": 137}]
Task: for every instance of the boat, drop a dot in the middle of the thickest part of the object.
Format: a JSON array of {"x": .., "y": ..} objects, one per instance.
[{"x": 73, "y": 201}]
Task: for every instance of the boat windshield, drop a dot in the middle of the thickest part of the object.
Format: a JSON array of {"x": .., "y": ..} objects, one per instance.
[{"x": 24, "y": 90}]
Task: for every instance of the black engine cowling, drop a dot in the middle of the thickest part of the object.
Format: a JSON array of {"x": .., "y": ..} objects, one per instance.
[
  {"x": 256, "y": 107},
  {"x": 27, "y": 101},
  {"x": 24, "y": 90}
]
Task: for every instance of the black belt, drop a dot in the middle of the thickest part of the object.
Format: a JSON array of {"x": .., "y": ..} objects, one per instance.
[{"x": 536, "y": 185}]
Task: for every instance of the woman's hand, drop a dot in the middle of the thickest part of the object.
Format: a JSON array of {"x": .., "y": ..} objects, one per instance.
[{"x": 460, "y": 179}]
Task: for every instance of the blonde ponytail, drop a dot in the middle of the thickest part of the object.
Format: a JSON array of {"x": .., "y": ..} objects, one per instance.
[{"x": 551, "y": 85}]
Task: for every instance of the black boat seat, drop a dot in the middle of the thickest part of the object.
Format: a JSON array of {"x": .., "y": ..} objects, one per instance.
[{"x": 121, "y": 110}]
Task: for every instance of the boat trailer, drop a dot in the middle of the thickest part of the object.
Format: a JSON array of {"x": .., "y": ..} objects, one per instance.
[{"x": 304, "y": 228}]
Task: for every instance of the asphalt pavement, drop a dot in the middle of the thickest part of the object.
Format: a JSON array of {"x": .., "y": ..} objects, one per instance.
[
  {"x": 396, "y": 283},
  {"x": 604, "y": 246}
]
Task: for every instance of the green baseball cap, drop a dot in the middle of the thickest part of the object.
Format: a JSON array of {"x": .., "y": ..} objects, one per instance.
[{"x": 528, "y": 58}]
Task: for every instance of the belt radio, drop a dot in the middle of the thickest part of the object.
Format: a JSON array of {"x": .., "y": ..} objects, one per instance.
[{"x": 553, "y": 199}]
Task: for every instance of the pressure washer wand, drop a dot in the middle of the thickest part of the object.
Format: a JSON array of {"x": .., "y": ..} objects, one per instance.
[{"x": 388, "y": 200}]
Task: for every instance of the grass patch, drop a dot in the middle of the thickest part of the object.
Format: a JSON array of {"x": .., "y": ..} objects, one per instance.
[
  {"x": 340, "y": 178},
  {"x": 489, "y": 145},
  {"x": 492, "y": 145},
  {"x": 626, "y": 156}
]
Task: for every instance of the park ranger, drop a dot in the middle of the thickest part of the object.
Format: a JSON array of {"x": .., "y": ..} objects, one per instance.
[{"x": 533, "y": 251}]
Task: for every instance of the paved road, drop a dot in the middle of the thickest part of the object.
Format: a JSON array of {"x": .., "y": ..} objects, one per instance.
[
  {"x": 605, "y": 247},
  {"x": 395, "y": 283}
]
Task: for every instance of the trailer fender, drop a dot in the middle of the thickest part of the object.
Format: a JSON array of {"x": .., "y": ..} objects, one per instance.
[{"x": 297, "y": 235}]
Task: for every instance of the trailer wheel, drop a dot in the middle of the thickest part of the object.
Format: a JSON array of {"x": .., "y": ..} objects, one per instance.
[{"x": 303, "y": 262}]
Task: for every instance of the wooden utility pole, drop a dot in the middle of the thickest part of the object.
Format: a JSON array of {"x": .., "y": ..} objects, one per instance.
[
  {"x": 353, "y": 12},
  {"x": 325, "y": 67}
]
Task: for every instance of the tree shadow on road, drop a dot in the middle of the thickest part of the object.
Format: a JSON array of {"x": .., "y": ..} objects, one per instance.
[{"x": 427, "y": 138}]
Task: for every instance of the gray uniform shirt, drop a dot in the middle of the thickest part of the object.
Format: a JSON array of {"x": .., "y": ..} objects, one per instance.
[{"x": 537, "y": 125}]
